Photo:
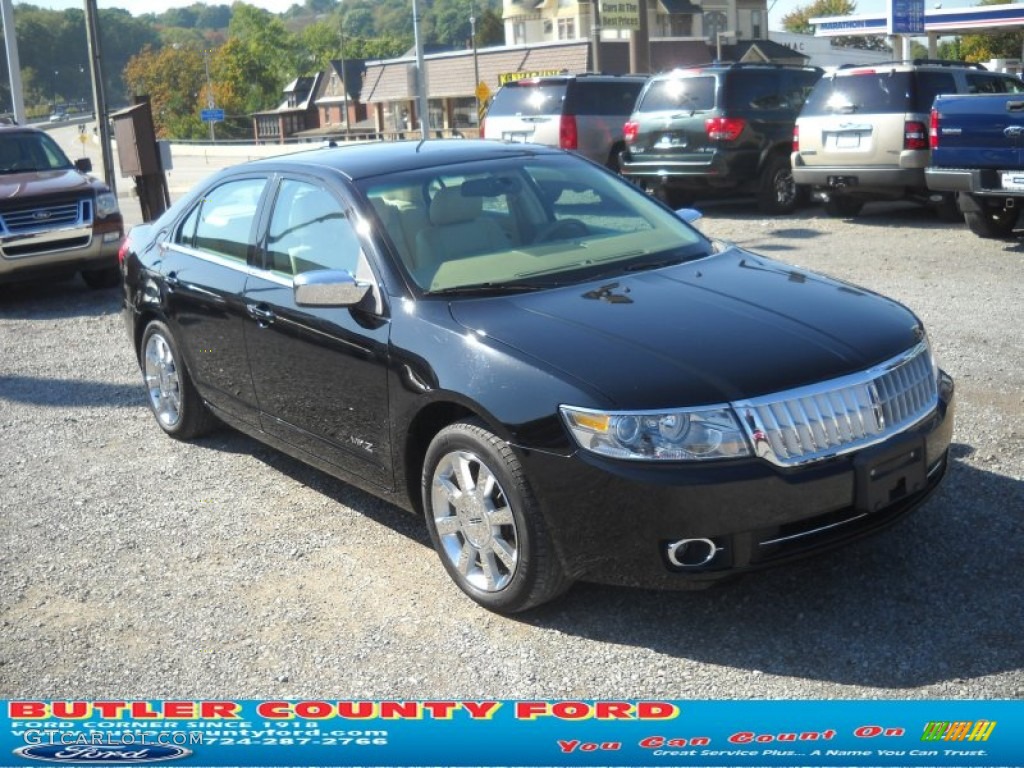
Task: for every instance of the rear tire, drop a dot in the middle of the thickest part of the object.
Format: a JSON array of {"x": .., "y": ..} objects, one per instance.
[
  {"x": 842, "y": 206},
  {"x": 776, "y": 190},
  {"x": 992, "y": 222},
  {"x": 485, "y": 524},
  {"x": 173, "y": 399}
]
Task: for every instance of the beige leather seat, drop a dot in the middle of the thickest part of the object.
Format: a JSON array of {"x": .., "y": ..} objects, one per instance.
[{"x": 457, "y": 230}]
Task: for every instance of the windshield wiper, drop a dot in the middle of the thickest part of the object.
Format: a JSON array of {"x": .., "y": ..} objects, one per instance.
[
  {"x": 493, "y": 288},
  {"x": 646, "y": 265}
]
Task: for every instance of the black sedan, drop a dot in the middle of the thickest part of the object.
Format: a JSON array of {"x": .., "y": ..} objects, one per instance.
[{"x": 561, "y": 374}]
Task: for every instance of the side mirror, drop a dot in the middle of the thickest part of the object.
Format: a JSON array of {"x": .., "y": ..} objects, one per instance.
[
  {"x": 84, "y": 164},
  {"x": 689, "y": 215},
  {"x": 328, "y": 288}
]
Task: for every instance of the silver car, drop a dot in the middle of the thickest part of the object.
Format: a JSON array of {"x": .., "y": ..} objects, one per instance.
[{"x": 582, "y": 113}]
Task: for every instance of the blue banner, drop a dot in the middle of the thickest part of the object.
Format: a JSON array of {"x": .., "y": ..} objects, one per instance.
[{"x": 513, "y": 733}]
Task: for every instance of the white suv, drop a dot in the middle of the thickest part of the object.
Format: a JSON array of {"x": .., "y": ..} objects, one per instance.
[{"x": 862, "y": 134}]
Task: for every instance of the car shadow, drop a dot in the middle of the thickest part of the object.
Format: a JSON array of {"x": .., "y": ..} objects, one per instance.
[
  {"x": 379, "y": 510},
  {"x": 57, "y": 299},
  {"x": 936, "y": 597},
  {"x": 70, "y": 393}
]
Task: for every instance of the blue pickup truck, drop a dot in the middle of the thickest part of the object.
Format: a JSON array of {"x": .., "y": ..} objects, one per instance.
[{"x": 977, "y": 144}]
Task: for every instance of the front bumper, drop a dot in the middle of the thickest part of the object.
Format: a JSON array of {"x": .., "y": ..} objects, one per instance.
[
  {"x": 614, "y": 521},
  {"x": 65, "y": 250}
]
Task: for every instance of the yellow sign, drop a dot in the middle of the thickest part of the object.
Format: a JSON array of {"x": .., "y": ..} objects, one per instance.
[
  {"x": 483, "y": 93},
  {"x": 620, "y": 14},
  {"x": 510, "y": 77}
]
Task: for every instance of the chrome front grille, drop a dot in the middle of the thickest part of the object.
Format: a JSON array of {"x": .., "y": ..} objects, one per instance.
[
  {"x": 842, "y": 415},
  {"x": 52, "y": 216}
]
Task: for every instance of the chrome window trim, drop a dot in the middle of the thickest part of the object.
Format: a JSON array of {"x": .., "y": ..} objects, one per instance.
[{"x": 224, "y": 261}]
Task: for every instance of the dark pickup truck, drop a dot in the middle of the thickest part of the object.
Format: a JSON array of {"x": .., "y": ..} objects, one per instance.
[{"x": 977, "y": 144}]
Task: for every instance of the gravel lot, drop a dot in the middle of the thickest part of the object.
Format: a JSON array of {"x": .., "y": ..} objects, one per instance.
[{"x": 136, "y": 566}]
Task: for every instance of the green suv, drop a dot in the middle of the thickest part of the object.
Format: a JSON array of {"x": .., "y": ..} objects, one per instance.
[{"x": 724, "y": 128}]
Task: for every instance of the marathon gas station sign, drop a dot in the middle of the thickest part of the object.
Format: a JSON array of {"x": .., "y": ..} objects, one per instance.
[{"x": 910, "y": 17}]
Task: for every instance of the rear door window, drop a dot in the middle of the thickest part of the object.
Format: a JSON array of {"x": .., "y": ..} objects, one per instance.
[
  {"x": 226, "y": 218},
  {"x": 930, "y": 85},
  {"x": 596, "y": 98},
  {"x": 748, "y": 91},
  {"x": 978, "y": 82}
]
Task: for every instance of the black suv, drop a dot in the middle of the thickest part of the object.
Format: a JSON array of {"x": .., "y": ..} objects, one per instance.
[{"x": 725, "y": 127}]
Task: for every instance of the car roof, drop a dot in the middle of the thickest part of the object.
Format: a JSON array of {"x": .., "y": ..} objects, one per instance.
[
  {"x": 358, "y": 161},
  {"x": 15, "y": 128}
]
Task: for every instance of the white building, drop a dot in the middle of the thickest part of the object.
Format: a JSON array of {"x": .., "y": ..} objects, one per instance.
[
  {"x": 537, "y": 21},
  {"x": 821, "y": 52}
]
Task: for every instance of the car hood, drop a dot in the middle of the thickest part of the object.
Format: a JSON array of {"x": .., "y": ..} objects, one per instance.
[
  {"x": 728, "y": 327},
  {"x": 39, "y": 183}
]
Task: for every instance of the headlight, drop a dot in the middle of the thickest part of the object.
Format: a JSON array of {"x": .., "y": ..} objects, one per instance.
[
  {"x": 684, "y": 434},
  {"x": 106, "y": 204}
]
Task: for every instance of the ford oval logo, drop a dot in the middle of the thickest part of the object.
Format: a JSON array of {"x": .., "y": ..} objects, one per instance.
[
  {"x": 101, "y": 755},
  {"x": 42, "y": 215}
]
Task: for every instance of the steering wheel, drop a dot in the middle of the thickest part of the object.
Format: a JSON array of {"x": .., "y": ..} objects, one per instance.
[{"x": 561, "y": 229}]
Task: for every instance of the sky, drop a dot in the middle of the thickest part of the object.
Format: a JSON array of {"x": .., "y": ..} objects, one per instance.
[
  {"x": 139, "y": 7},
  {"x": 776, "y": 8}
]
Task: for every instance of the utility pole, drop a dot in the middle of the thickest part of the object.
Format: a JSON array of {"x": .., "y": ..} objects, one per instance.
[
  {"x": 13, "y": 62},
  {"x": 476, "y": 63},
  {"x": 344, "y": 76},
  {"x": 421, "y": 75},
  {"x": 595, "y": 35},
  {"x": 99, "y": 95},
  {"x": 640, "y": 43},
  {"x": 210, "y": 103}
]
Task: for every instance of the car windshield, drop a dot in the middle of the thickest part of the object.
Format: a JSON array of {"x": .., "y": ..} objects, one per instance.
[
  {"x": 866, "y": 92},
  {"x": 692, "y": 94},
  {"x": 528, "y": 99},
  {"x": 30, "y": 152},
  {"x": 520, "y": 224}
]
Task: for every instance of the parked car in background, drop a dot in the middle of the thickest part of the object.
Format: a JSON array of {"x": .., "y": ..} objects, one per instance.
[
  {"x": 581, "y": 113},
  {"x": 863, "y": 133},
  {"x": 58, "y": 116},
  {"x": 560, "y": 374},
  {"x": 54, "y": 217},
  {"x": 976, "y": 144},
  {"x": 704, "y": 131}
]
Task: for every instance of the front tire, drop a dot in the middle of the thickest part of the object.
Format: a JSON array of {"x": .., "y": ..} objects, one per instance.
[
  {"x": 173, "y": 399},
  {"x": 992, "y": 222},
  {"x": 484, "y": 522}
]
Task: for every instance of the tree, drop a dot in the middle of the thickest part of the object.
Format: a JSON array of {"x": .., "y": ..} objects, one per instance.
[
  {"x": 798, "y": 21},
  {"x": 173, "y": 77},
  {"x": 997, "y": 45},
  {"x": 318, "y": 44},
  {"x": 258, "y": 59}
]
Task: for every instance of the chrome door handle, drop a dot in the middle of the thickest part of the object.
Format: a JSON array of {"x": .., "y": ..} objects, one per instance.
[{"x": 260, "y": 312}]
